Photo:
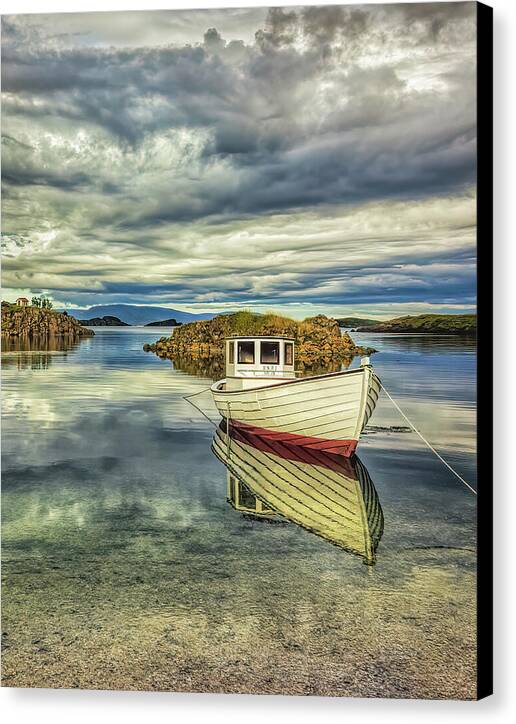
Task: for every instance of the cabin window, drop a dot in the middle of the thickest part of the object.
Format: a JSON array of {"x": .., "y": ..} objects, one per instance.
[
  {"x": 246, "y": 353},
  {"x": 270, "y": 353},
  {"x": 231, "y": 353},
  {"x": 245, "y": 498},
  {"x": 289, "y": 353}
]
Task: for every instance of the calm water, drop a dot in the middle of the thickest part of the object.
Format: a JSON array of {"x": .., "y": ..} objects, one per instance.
[{"x": 125, "y": 567}]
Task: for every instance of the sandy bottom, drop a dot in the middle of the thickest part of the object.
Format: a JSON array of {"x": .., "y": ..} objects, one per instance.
[{"x": 139, "y": 598}]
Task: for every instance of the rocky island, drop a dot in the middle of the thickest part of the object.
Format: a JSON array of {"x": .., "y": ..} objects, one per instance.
[
  {"x": 30, "y": 322},
  {"x": 319, "y": 342},
  {"x": 106, "y": 321},
  {"x": 457, "y": 324},
  {"x": 164, "y": 323}
]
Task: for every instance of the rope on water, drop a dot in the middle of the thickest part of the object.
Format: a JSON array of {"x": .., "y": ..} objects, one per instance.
[
  {"x": 427, "y": 443},
  {"x": 189, "y": 400}
]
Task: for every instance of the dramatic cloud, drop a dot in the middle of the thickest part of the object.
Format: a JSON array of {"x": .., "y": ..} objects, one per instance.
[{"x": 318, "y": 157}]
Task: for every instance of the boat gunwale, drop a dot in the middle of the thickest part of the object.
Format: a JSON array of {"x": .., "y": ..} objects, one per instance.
[
  {"x": 281, "y": 337},
  {"x": 298, "y": 380}
]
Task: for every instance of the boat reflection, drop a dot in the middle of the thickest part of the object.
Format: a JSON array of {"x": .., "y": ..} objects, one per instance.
[{"x": 327, "y": 494}]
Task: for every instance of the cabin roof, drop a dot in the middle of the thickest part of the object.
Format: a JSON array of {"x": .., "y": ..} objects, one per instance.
[{"x": 261, "y": 336}]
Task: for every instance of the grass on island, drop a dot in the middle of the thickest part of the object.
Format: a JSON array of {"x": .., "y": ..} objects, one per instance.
[{"x": 246, "y": 322}]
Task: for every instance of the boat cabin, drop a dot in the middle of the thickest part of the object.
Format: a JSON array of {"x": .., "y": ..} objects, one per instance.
[
  {"x": 243, "y": 500},
  {"x": 258, "y": 361}
]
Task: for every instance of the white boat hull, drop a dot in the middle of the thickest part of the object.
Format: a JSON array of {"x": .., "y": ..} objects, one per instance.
[{"x": 326, "y": 412}]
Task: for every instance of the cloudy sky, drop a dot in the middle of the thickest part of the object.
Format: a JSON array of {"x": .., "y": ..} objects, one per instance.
[{"x": 309, "y": 159}]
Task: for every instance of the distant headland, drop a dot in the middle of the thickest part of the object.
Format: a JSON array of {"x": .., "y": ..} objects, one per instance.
[
  {"x": 349, "y": 322},
  {"x": 457, "y": 324}
]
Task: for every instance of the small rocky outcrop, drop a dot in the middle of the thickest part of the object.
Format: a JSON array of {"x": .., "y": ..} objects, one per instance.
[
  {"x": 319, "y": 342},
  {"x": 36, "y": 322}
]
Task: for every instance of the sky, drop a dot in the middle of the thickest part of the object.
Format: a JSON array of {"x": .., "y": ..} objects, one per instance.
[{"x": 317, "y": 159}]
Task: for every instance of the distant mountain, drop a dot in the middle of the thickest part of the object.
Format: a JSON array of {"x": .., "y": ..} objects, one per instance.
[
  {"x": 165, "y": 323},
  {"x": 357, "y": 322},
  {"x": 136, "y": 315},
  {"x": 106, "y": 321}
]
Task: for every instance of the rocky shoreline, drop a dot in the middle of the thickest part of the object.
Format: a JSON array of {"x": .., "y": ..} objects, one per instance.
[
  {"x": 319, "y": 342},
  {"x": 34, "y": 322}
]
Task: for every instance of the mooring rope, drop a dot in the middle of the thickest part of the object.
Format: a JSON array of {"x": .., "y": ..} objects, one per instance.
[
  {"x": 432, "y": 448},
  {"x": 188, "y": 399}
]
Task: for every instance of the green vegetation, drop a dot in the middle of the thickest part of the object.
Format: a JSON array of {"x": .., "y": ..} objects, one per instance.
[
  {"x": 250, "y": 323},
  {"x": 41, "y": 302},
  {"x": 459, "y": 324}
]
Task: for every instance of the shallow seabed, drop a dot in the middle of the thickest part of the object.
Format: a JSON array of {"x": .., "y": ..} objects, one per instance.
[{"x": 125, "y": 568}]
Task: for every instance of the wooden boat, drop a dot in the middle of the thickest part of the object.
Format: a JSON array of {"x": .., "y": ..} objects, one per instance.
[
  {"x": 329, "y": 495},
  {"x": 261, "y": 393}
]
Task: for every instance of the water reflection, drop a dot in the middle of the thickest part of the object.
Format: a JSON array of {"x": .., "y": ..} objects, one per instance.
[
  {"x": 214, "y": 368},
  {"x": 35, "y": 352},
  {"x": 327, "y": 494},
  {"x": 434, "y": 344},
  {"x": 47, "y": 343},
  {"x": 124, "y": 567}
]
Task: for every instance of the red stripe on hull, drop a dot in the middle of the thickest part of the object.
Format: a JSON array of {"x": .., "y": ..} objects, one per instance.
[{"x": 259, "y": 437}]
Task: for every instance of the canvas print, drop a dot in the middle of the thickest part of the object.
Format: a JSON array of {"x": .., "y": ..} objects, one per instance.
[{"x": 239, "y": 358}]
